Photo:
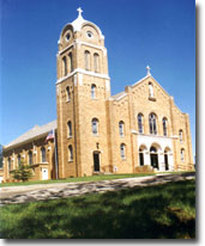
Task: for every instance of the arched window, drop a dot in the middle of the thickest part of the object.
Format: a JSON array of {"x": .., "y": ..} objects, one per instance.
[
  {"x": 122, "y": 151},
  {"x": 65, "y": 70},
  {"x": 69, "y": 129},
  {"x": 43, "y": 154},
  {"x": 30, "y": 157},
  {"x": 19, "y": 160},
  {"x": 68, "y": 93},
  {"x": 96, "y": 63},
  {"x": 182, "y": 155},
  {"x": 87, "y": 60},
  {"x": 93, "y": 91},
  {"x": 152, "y": 124},
  {"x": 70, "y": 58},
  {"x": 70, "y": 153},
  {"x": 121, "y": 128},
  {"x": 164, "y": 123},
  {"x": 95, "y": 123},
  {"x": 140, "y": 123},
  {"x": 181, "y": 136},
  {"x": 9, "y": 164},
  {"x": 151, "y": 90}
]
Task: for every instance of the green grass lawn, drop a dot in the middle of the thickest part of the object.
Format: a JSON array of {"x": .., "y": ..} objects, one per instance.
[
  {"x": 79, "y": 179},
  {"x": 162, "y": 211}
]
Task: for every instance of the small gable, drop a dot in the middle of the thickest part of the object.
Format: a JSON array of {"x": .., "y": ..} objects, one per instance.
[{"x": 149, "y": 89}]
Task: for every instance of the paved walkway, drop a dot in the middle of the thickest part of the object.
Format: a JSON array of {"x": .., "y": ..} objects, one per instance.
[{"x": 22, "y": 194}]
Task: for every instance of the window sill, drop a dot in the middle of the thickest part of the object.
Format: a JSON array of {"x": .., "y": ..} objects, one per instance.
[
  {"x": 152, "y": 99},
  {"x": 69, "y": 137},
  {"x": 70, "y": 161},
  {"x": 67, "y": 101}
]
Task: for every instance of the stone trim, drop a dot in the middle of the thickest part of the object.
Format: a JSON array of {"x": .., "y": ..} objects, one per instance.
[{"x": 80, "y": 70}]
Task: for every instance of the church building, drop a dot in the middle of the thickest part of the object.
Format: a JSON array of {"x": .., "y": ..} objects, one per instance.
[{"x": 137, "y": 130}]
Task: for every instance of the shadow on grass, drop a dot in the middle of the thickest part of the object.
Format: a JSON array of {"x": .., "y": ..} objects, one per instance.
[{"x": 152, "y": 212}]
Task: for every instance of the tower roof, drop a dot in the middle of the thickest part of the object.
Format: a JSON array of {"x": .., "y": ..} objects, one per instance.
[{"x": 79, "y": 22}]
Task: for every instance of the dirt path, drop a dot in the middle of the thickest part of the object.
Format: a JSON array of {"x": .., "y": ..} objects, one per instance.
[{"x": 22, "y": 194}]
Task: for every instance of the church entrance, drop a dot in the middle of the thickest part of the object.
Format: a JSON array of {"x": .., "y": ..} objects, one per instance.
[
  {"x": 96, "y": 161},
  {"x": 154, "y": 157}
]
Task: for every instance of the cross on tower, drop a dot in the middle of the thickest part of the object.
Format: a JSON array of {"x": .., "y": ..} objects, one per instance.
[
  {"x": 79, "y": 11},
  {"x": 148, "y": 70}
]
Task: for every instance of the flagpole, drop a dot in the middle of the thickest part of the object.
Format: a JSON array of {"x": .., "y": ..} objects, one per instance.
[{"x": 56, "y": 157}]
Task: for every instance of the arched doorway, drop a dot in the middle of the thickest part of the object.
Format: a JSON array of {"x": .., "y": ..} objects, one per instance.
[
  {"x": 142, "y": 158},
  {"x": 154, "y": 157},
  {"x": 96, "y": 161},
  {"x": 166, "y": 160}
]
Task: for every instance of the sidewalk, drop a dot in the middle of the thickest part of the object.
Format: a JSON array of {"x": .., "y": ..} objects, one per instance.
[{"x": 39, "y": 192}]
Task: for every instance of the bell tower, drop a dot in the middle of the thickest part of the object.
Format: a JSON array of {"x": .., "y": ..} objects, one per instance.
[{"x": 82, "y": 89}]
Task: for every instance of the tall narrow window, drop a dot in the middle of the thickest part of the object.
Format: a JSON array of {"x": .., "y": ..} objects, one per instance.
[
  {"x": 151, "y": 90},
  {"x": 30, "y": 157},
  {"x": 43, "y": 154},
  {"x": 65, "y": 70},
  {"x": 93, "y": 91},
  {"x": 9, "y": 164},
  {"x": 87, "y": 60},
  {"x": 19, "y": 160},
  {"x": 68, "y": 93},
  {"x": 122, "y": 151},
  {"x": 181, "y": 136},
  {"x": 95, "y": 123},
  {"x": 70, "y": 58},
  {"x": 182, "y": 155},
  {"x": 121, "y": 128},
  {"x": 140, "y": 123},
  {"x": 69, "y": 129},
  {"x": 152, "y": 124},
  {"x": 96, "y": 63},
  {"x": 70, "y": 153},
  {"x": 164, "y": 123}
]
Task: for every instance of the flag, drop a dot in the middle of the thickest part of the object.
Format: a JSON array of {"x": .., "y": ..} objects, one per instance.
[{"x": 50, "y": 135}]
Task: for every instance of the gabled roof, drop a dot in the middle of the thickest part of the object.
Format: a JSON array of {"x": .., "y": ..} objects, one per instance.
[
  {"x": 150, "y": 76},
  {"x": 35, "y": 132},
  {"x": 118, "y": 96}
]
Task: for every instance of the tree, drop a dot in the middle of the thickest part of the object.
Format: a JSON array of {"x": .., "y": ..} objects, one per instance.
[{"x": 23, "y": 172}]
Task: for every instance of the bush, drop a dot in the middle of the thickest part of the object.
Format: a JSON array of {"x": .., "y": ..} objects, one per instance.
[{"x": 23, "y": 172}]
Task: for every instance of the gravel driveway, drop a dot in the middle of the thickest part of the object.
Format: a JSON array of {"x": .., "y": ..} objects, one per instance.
[{"x": 22, "y": 194}]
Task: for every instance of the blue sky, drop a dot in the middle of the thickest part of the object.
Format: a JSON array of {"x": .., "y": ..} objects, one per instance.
[{"x": 137, "y": 32}]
